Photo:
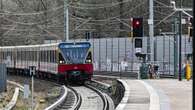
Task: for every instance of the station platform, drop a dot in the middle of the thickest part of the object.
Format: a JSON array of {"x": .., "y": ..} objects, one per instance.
[{"x": 158, "y": 94}]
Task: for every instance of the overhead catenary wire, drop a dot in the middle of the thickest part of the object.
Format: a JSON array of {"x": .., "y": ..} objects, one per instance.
[
  {"x": 164, "y": 18},
  {"x": 29, "y": 14},
  {"x": 110, "y": 18},
  {"x": 92, "y": 7},
  {"x": 104, "y": 4},
  {"x": 165, "y": 5},
  {"x": 31, "y": 23}
]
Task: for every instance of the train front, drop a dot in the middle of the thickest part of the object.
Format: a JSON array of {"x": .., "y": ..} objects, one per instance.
[{"x": 75, "y": 61}]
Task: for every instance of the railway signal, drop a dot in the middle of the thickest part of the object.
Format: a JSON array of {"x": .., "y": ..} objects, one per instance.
[
  {"x": 138, "y": 43},
  {"x": 137, "y": 27},
  {"x": 137, "y": 24},
  {"x": 87, "y": 36}
]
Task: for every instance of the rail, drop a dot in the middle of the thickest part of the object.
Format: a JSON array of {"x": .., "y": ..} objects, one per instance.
[
  {"x": 17, "y": 84},
  {"x": 13, "y": 101},
  {"x": 79, "y": 100},
  {"x": 59, "y": 101},
  {"x": 125, "y": 98},
  {"x": 102, "y": 95}
]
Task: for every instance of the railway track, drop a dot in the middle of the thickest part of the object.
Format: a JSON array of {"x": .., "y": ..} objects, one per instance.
[
  {"x": 72, "y": 101},
  {"x": 92, "y": 98},
  {"x": 78, "y": 97}
]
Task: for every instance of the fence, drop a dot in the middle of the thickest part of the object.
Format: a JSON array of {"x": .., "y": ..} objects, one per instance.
[{"x": 108, "y": 53}]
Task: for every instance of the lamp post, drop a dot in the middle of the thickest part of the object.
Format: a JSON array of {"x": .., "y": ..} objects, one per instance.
[
  {"x": 32, "y": 73},
  {"x": 180, "y": 34}
]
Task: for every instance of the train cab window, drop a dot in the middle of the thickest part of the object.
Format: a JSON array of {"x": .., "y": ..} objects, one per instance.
[
  {"x": 52, "y": 56},
  {"x": 89, "y": 58},
  {"x": 61, "y": 59},
  {"x": 0, "y": 55}
]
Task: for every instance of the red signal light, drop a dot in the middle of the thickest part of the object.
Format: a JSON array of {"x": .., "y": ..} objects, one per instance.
[{"x": 136, "y": 23}]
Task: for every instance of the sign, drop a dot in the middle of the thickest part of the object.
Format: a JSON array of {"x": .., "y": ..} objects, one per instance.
[
  {"x": 138, "y": 50},
  {"x": 183, "y": 21},
  {"x": 26, "y": 91},
  {"x": 124, "y": 65},
  {"x": 32, "y": 70},
  {"x": 138, "y": 43},
  {"x": 76, "y": 45}
]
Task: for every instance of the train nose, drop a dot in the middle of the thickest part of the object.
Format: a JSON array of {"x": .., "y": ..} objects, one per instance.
[{"x": 75, "y": 67}]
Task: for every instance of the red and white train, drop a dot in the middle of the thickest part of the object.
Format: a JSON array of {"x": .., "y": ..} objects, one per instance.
[{"x": 64, "y": 60}]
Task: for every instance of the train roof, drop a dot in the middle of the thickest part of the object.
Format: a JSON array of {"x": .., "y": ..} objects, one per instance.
[
  {"x": 41, "y": 45},
  {"x": 28, "y": 46}
]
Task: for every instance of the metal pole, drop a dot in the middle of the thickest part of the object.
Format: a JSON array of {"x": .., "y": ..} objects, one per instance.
[
  {"x": 193, "y": 33},
  {"x": 112, "y": 55},
  {"x": 132, "y": 51},
  {"x": 66, "y": 21},
  {"x": 176, "y": 47},
  {"x": 151, "y": 30},
  {"x": 155, "y": 49},
  {"x": 99, "y": 54},
  {"x": 93, "y": 49},
  {"x": 185, "y": 49},
  {"x": 118, "y": 52},
  {"x": 163, "y": 54},
  {"x": 169, "y": 55},
  {"x": 32, "y": 92},
  {"x": 180, "y": 35},
  {"x": 67, "y": 25},
  {"x": 126, "y": 47},
  {"x": 106, "y": 55}
]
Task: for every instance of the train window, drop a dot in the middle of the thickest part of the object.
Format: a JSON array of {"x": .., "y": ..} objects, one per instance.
[
  {"x": 24, "y": 52},
  {"x": 30, "y": 55},
  {"x": 34, "y": 55},
  {"x": 11, "y": 55},
  {"x": 51, "y": 56},
  {"x": 27, "y": 55},
  {"x": 41, "y": 58},
  {"x": 22, "y": 55},
  {"x": 48, "y": 56},
  {"x": 0, "y": 55},
  {"x": 61, "y": 59},
  {"x": 4, "y": 55},
  {"x": 18, "y": 55},
  {"x": 44, "y": 56},
  {"x": 89, "y": 58},
  {"x": 54, "y": 58},
  {"x": 35, "y": 58}
]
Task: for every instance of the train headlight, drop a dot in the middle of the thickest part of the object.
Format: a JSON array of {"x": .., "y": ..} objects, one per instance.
[
  {"x": 88, "y": 61},
  {"x": 61, "y": 61}
]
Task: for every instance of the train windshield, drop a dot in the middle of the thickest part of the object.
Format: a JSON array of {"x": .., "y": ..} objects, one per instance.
[{"x": 74, "y": 53}]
